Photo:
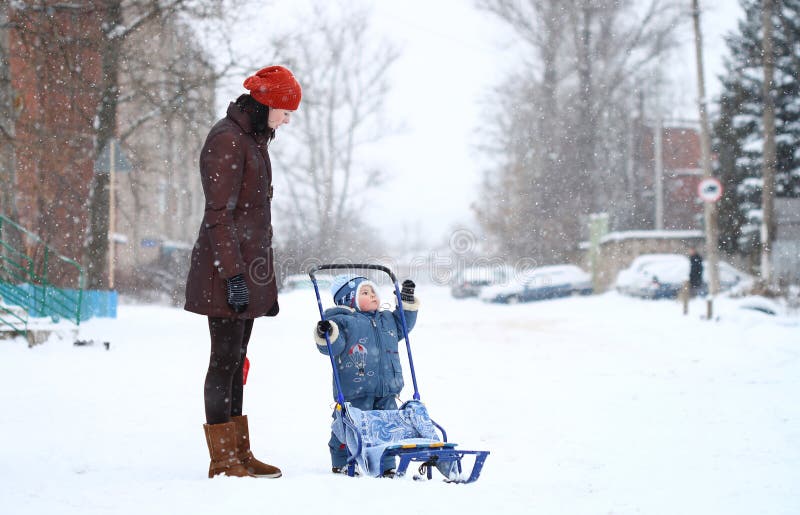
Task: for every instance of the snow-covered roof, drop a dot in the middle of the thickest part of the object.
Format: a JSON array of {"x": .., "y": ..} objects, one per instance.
[{"x": 652, "y": 235}]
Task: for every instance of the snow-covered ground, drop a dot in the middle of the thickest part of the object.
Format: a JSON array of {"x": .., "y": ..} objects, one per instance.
[{"x": 590, "y": 405}]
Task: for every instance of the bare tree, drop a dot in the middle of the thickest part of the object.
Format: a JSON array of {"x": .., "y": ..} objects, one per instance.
[
  {"x": 344, "y": 69},
  {"x": 119, "y": 24},
  {"x": 521, "y": 208},
  {"x": 588, "y": 59},
  {"x": 614, "y": 47}
]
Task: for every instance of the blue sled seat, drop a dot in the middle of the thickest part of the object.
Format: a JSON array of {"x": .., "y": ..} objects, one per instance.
[{"x": 409, "y": 431}]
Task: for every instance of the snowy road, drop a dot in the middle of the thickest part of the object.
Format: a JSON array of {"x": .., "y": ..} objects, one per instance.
[{"x": 590, "y": 405}]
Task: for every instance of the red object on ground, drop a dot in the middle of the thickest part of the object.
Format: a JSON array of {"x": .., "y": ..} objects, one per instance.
[{"x": 245, "y": 370}]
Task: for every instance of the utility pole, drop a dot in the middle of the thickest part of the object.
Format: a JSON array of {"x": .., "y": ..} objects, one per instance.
[
  {"x": 658, "y": 152},
  {"x": 768, "y": 172},
  {"x": 710, "y": 210},
  {"x": 112, "y": 160},
  {"x": 112, "y": 212}
]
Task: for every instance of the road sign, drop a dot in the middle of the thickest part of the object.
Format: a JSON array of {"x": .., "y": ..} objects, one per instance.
[
  {"x": 111, "y": 161},
  {"x": 112, "y": 158},
  {"x": 709, "y": 190}
]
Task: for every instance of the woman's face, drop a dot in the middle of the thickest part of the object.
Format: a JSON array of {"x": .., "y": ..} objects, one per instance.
[{"x": 278, "y": 117}]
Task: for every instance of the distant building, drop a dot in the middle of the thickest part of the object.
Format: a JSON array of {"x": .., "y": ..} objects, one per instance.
[
  {"x": 682, "y": 172},
  {"x": 786, "y": 215},
  {"x": 48, "y": 162},
  {"x": 786, "y": 247},
  {"x": 160, "y": 203}
]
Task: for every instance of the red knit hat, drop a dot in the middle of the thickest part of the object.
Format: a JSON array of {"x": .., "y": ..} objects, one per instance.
[{"x": 276, "y": 87}]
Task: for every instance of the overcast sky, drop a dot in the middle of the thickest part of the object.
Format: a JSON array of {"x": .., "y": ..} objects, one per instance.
[{"x": 451, "y": 56}]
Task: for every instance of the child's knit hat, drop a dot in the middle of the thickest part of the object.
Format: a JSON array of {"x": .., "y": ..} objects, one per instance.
[{"x": 344, "y": 288}]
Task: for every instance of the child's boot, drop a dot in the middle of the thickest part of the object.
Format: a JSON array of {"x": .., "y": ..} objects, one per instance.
[{"x": 253, "y": 466}]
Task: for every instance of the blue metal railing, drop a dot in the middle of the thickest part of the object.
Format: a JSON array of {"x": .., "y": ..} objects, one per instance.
[{"x": 26, "y": 266}]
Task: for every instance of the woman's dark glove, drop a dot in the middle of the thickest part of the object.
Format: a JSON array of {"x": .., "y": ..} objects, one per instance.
[
  {"x": 238, "y": 294},
  {"x": 323, "y": 326},
  {"x": 407, "y": 293}
]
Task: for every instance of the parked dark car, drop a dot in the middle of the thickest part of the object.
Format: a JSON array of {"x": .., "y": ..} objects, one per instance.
[{"x": 547, "y": 282}]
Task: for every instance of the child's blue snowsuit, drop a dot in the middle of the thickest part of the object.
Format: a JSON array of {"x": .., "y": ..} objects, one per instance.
[{"x": 365, "y": 350}]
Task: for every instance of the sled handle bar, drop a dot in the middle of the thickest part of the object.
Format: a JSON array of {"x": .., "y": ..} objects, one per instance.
[
  {"x": 348, "y": 266},
  {"x": 353, "y": 266}
]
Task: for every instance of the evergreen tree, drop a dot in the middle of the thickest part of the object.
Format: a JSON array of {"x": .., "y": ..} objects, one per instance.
[{"x": 738, "y": 132}]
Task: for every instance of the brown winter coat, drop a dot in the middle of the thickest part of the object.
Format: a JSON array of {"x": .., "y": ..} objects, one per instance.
[{"x": 236, "y": 233}]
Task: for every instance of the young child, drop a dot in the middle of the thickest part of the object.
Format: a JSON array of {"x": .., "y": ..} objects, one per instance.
[{"x": 364, "y": 342}]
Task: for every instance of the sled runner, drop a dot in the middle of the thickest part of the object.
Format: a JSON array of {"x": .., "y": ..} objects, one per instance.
[{"x": 407, "y": 433}]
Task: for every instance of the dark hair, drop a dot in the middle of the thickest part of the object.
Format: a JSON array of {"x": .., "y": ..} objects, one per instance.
[{"x": 258, "y": 113}]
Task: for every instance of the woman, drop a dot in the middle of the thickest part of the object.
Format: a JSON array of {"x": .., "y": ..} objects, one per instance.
[{"x": 232, "y": 277}]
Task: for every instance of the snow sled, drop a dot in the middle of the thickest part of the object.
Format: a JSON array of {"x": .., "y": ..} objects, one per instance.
[{"x": 408, "y": 433}]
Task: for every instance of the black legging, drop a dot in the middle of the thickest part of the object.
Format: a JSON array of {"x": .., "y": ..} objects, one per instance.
[{"x": 223, "y": 387}]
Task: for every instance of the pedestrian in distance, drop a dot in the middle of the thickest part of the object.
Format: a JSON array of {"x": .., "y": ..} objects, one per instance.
[
  {"x": 232, "y": 277},
  {"x": 695, "y": 272},
  {"x": 364, "y": 343}
]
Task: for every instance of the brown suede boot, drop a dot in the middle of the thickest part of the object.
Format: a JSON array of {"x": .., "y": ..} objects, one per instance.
[
  {"x": 245, "y": 455},
  {"x": 221, "y": 440}
]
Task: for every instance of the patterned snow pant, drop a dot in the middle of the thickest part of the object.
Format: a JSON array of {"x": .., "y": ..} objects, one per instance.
[{"x": 337, "y": 449}]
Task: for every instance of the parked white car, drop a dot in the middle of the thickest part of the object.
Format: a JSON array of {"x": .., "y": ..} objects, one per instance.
[{"x": 661, "y": 276}]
